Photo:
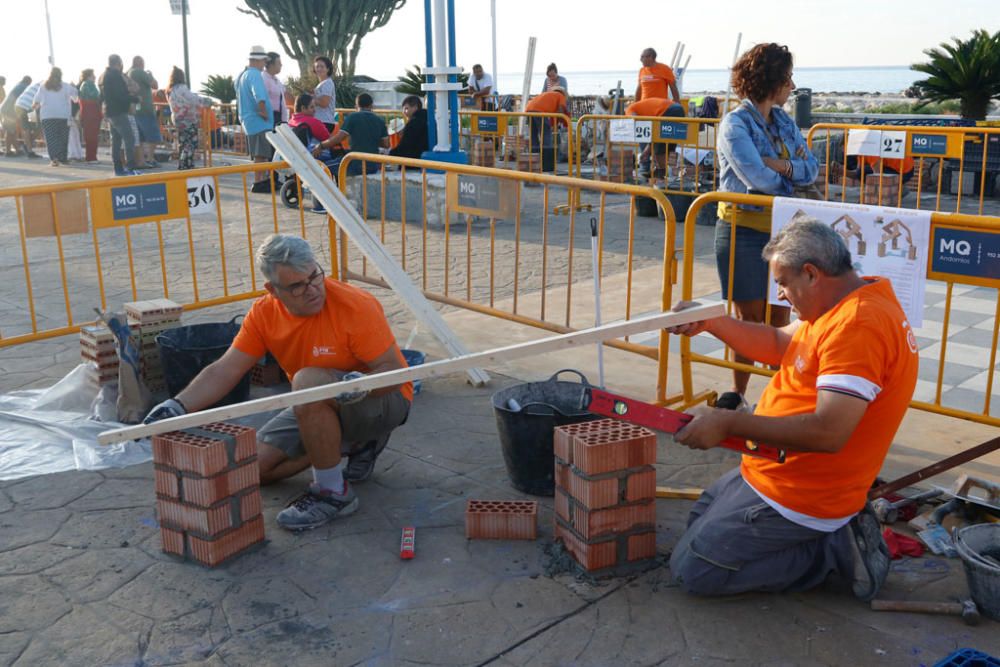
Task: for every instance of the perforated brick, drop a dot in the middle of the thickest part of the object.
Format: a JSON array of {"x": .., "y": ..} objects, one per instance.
[
  {"x": 206, "y": 450},
  {"x": 642, "y": 546},
  {"x": 501, "y": 519},
  {"x": 208, "y": 522},
  {"x": 604, "y": 445},
  {"x": 591, "y": 557},
  {"x": 606, "y": 489},
  {"x": 590, "y": 524},
  {"x": 206, "y": 491},
  {"x": 641, "y": 485},
  {"x": 224, "y": 547}
]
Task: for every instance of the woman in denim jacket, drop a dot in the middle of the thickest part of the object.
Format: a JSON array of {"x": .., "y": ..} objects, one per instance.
[{"x": 761, "y": 151}]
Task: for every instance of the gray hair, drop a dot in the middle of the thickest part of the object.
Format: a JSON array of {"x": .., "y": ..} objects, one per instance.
[
  {"x": 292, "y": 251},
  {"x": 809, "y": 242}
]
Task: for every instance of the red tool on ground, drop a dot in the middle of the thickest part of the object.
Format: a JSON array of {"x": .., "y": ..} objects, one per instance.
[
  {"x": 658, "y": 418},
  {"x": 407, "y": 546}
]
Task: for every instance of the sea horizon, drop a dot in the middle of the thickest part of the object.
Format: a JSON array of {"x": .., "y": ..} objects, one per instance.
[{"x": 887, "y": 79}]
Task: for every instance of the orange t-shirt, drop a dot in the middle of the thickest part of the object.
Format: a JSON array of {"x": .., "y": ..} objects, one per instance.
[
  {"x": 549, "y": 102},
  {"x": 648, "y": 106},
  {"x": 903, "y": 166},
  {"x": 655, "y": 81},
  {"x": 350, "y": 332},
  {"x": 862, "y": 347}
]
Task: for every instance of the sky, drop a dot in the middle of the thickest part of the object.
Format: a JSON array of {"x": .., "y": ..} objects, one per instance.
[{"x": 582, "y": 35}]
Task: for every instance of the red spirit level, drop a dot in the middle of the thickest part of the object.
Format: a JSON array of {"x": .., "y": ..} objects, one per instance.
[
  {"x": 657, "y": 418},
  {"x": 407, "y": 546}
]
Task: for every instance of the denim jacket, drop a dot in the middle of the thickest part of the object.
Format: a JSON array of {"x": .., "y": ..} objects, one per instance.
[{"x": 745, "y": 139}]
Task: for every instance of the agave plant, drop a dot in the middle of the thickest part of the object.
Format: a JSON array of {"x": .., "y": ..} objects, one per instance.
[
  {"x": 221, "y": 88},
  {"x": 409, "y": 83},
  {"x": 964, "y": 70}
]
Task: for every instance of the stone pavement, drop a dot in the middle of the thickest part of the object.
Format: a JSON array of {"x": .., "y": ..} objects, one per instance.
[{"x": 83, "y": 581}]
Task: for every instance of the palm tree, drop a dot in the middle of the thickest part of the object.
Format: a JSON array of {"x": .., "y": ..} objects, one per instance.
[
  {"x": 409, "y": 83},
  {"x": 966, "y": 70},
  {"x": 221, "y": 88}
]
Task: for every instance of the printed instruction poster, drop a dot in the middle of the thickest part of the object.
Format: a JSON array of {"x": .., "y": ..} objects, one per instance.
[{"x": 884, "y": 241}]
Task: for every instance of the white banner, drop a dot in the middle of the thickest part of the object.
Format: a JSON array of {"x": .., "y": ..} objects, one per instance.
[
  {"x": 622, "y": 131},
  {"x": 884, "y": 241}
]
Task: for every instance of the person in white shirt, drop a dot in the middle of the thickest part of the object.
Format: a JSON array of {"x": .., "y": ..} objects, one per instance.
[
  {"x": 275, "y": 89},
  {"x": 54, "y": 102},
  {"x": 325, "y": 93},
  {"x": 481, "y": 88}
]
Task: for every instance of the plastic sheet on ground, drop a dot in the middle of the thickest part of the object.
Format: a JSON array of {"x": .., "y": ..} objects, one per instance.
[{"x": 51, "y": 430}]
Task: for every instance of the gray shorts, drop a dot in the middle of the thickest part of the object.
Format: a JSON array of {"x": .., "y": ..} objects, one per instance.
[
  {"x": 259, "y": 146},
  {"x": 360, "y": 423}
]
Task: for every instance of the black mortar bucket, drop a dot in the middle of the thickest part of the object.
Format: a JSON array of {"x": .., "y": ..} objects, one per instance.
[
  {"x": 526, "y": 433},
  {"x": 185, "y": 351}
]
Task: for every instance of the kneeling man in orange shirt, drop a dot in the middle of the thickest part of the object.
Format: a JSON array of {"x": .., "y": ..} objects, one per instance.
[
  {"x": 847, "y": 370},
  {"x": 321, "y": 331}
]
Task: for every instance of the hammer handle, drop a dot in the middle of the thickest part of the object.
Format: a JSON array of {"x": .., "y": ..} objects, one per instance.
[{"x": 915, "y": 606}]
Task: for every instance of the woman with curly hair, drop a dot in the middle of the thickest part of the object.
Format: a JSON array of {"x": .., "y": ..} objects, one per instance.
[{"x": 761, "y": 151}]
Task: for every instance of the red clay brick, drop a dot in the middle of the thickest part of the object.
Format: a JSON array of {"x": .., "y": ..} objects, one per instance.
[
  {"x": 501, "y": 519},
  {"x": 561, "y": 505},
  {"x": 209, "y": 522},
  {"x": 591, "y": 524},
  {"x": 590, "y": 556},
  {"x": 641, "y": 485},
  {"x": 642, "y": 546},
  {"x": 173, "y": 541},
  {"x": 191, "y": 450},
  {"x": 627, "y": 446},
  {"x": 223, "y": 547},
  {"x": 206, "y": 491}
]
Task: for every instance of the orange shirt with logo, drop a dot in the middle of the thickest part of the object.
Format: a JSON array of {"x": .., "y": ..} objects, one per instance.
[
  {"x": 655, "y": 81},
  {"x": 549, "y": 102},
  {"x": 648, "y": 106},
  {"x": 348, "y": 334},
  {"x": 862, "y": 347}
]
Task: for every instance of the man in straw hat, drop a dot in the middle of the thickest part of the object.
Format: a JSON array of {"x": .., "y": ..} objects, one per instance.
[{"x": 256, "y": 115}]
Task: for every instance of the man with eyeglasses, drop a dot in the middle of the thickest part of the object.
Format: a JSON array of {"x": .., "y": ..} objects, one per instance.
[{"x": 321, "y": 331}]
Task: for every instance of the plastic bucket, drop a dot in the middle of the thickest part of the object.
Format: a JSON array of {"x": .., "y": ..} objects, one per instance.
[
  {"x": 526, "y": 433},
  {"x": 414, "y": 358},
  {"x": 185, "y": 351},
  {"x": 972, "y": 544}
]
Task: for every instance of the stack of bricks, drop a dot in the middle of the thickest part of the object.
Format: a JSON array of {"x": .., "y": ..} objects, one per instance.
[
  {"x": 483, "y": 152},
  {"x": 97, "y": 347},
  {"x": 146, "y": 320},
  {"x": 267, "y": 373},
  {"x": 605, "y": 502},
  {"x": 208, "y": 492},
  {"x": 621, "y": 164}
]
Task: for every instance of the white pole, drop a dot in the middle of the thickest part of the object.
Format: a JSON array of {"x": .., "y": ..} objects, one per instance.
[
  {"x": 729, "y": 82},
  {"x": 680, "y": 77},
  {"x": 680, "y": 57},
  {"x": 597, "y": 300},
  {"x": 493, "y": 18},
  {"x": 48, "y": 26},
  {"x": 441, "y": 60},
  {"x": 673, "y": 58},
  {"x": 526, "y": 88}
]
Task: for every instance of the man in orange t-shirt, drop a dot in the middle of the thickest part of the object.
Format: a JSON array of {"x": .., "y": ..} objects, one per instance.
[
  {"x": 320, "y": 331},
  {"x": 655, "y": 79},
  {"x": 848, "y": 367},
  {"x": 553, "y": 101},
  {"x": 655, "y": 106}
]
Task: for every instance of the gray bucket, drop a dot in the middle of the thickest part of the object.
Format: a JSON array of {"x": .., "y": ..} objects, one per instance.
[{"x": 983, "y": 575}]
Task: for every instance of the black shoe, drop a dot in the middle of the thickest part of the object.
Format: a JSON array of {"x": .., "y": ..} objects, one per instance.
[
  {"x": 361, "y": 465},
  {"x": 731, "y": 400},
  {"x": 261, "y": 187},
  {"x": 871, "y": 555}
]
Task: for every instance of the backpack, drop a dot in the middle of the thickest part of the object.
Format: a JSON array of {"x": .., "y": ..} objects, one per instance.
[{"x": 709, "y": 108}]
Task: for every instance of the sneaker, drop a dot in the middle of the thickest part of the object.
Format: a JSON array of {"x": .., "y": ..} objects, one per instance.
[
  {"x": 315, "y": 507},
  {"x": 870, "y": 554},
  {"x": 732, "y": 400},
  {"x": 261, "y": 187},
  {"x": 127, "y": 172},
  {"x": 32, "y": 154},
  {"x": 361, "y": 465},
  {"x": 317, "y": 207}
]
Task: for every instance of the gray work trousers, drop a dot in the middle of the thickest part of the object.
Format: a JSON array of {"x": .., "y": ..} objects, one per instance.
[{"x": 735, "y": 542}]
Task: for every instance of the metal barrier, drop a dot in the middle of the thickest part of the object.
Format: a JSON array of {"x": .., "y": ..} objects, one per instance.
[
  {"x": 483, "y": 239},
  {"x": 615, "y": 143},
  {"x": 905, "y": 166},
  {"x": 939, "y": 222},
  {"x": 185, "y": 235},
  {"x": 484, "y": 133}
]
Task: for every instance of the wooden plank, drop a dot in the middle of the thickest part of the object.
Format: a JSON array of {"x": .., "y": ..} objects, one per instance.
[
  {"x": 309, "y": 170},
  {"x": 574, "y": 340}
]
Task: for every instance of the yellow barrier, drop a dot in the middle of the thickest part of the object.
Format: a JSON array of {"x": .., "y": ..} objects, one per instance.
[
  {"x": 939, "y": 221},
  {"x": 483, "y": 239},
  {"x": 79, "y": 245},
  {"x": 947, "y": 164},
  {"x": 484, "y": 133},
  {"x": 615, "y": 142}
]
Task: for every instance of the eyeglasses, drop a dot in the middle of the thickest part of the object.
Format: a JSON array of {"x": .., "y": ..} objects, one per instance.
[{"x": 299, "y": 288}]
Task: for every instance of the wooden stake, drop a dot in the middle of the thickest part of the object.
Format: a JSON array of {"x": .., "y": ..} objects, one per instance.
[{"x": 575, "y": 340}]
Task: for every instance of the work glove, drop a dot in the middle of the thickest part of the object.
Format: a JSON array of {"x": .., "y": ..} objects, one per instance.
[
  {"x": 165, "y": 410},
  {"x": 349, "y": 397}
]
